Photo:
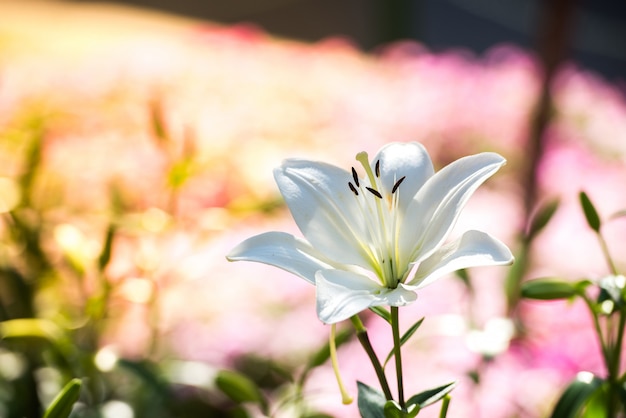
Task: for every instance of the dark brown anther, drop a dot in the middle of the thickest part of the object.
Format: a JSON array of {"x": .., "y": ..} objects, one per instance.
[
  {"x": 395, "y": 186},
  {"x": 355, "y": 177},
  {"x": 374, "y": 192},
  {"x": 355, "y": 191},
  {"x": 377, "y": 168}
]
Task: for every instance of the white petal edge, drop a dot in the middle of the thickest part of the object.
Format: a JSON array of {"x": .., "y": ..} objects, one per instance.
[
  {"x": 409, "y": 160},
  {"x": 324, "y": 208},
  {"x": 472, "y": 249},
  {"x": 282, "y": 250},
  {"x": 342, "y": 294},
  {"x": 433, "y": 212}
]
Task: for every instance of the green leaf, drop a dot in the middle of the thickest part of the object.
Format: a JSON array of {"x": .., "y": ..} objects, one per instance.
[
  {"x": 407, "y": 335},
  {"x": 240, "y": 388},
  {"x": 105, "y": 254},
  {"x": 382, "y": 312},
  {"x": 429, "y": 397},
  {"x": 61, "y": 406},
  {"x": 514, "y": 277},
  {"x": 149, "y": 376},
  {"x": 576, "y": 395},
  {"x": 394, "y": 410},
  {"x": 463, "y": 275},
  {"x": 590, "y": 212},
  {"x": 31, "y": 328},
  {"x": 371, "y": 402},
  {"x": 622, "y": 394},
  {"x": 549, "y": 289},
  {"x": 596, "y": 405},
  {"x": 541, "y": 218}
]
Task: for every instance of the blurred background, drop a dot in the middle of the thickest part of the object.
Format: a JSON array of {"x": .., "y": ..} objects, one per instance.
[
  {"x": 596, "y": 39},
  {"x": 137, "y": 142}
]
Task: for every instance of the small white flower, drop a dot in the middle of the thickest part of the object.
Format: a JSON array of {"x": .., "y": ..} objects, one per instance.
[
  {"x": 374, "y": 240},
  {"x": 614, "y": 286},
  {"x": 493, "y": 339}
]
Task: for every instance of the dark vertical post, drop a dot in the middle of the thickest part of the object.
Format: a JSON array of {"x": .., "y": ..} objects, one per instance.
[
  {"x": 553, "y": 32},
  {"x": 553, "y": 37}
]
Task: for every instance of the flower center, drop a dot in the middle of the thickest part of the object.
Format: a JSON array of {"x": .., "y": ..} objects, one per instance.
[{"x": 381, "y": 221}]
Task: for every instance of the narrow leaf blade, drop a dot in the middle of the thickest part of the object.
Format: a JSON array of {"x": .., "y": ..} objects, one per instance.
[
  {"x": 239, "y": 388},
  {"x": 323, "y": 354},
  {"x": 30, "y": 328},
  {"x": 62, "y": 405},
  {"x": 541, "y": 218},
  {"x": 371, "y": 402},
  {"x": 576, "y": 395},
  {"x": 429, "y": 397},
  {"x": 407, "y": 335},
  {"x": 105, "y": 254},
  {"x": 591, "y": 214},
  {"x": 549, "y": 289},
  {"x": 382, "y": 312}
]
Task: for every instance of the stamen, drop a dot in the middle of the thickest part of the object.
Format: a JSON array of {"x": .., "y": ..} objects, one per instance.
[
  {"x": 355, "y": 177},
  {"x": 346, "y": 399},
  {"x": 378, "y": 168},
  {"x": 374, "y": 192},
  {"x": 355, "y": 191},
  {"x": 395, "y": 186}
]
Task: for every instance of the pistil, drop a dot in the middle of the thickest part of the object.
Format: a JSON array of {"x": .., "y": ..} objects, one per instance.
[
  {"x": 386, "y": 232},
  {"x": 364, "y": 160}
]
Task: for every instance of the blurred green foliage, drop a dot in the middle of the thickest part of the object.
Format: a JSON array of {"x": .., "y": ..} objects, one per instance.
[{"x": 55, "y": 305}]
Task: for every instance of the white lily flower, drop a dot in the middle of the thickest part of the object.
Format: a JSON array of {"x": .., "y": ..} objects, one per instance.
[{"x": 375, "y": 240}]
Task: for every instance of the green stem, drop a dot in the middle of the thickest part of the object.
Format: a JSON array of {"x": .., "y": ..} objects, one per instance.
[
  {"x": 614, "y": 369},
  {"x": 361, "y": 333},
  {"x": 607, "y": 255},
  {"x": 444, "y": 406},
  {"x": 395, "y": 329},
  {"x": 618, "y": 344},
  {"x": 613, "y": 347},
  {"x": 605, "y": 350}
]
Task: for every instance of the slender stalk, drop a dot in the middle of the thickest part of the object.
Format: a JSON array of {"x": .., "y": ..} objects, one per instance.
[
  {"x": 607, "y": 255},
  {"x": 614, "y": 367},
  {"x": 345, "y": 396},
  {"x": 395, "y": 329},
  {"x": 615, "y": 337},
  {"x": 444, "y": 406},
  {"x": 361, "y": 333},
  {"x": 603, "y": 346},
  {"x": 611, "y": 352},
  {"x": 618, "y": 344}
]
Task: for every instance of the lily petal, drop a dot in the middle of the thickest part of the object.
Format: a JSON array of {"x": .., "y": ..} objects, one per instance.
[
  {"x": 437, "y": 205},
  {"x": 324, "y": 208},
  {"x": 342, "y": 294},
  {"x": 284, "y": 251},
  {"x": 408, "y": 160},
  {"x": 473, "y": 249}
]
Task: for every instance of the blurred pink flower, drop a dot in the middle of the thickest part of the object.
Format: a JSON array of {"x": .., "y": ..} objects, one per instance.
[{"x": 232, "y": 104}]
